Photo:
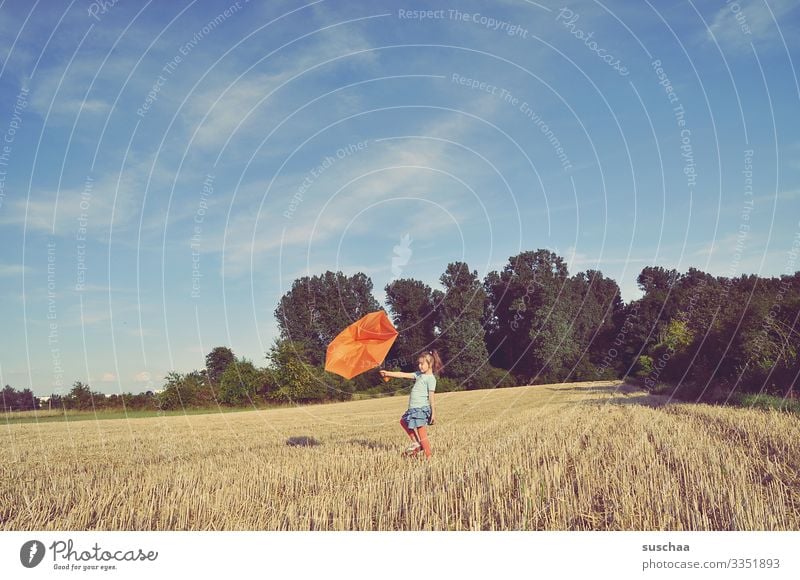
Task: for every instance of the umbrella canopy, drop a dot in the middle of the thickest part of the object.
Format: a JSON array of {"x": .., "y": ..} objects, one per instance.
[{"x": 361, "y": 346}]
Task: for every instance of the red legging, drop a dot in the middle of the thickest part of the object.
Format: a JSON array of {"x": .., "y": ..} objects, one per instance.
[{"x": 423, "y": 437}]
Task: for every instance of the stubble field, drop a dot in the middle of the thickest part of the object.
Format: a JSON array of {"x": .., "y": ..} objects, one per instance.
[{"x": 581, "y": 456}]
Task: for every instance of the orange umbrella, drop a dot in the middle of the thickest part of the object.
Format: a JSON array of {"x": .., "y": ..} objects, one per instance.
[{"x": 361, "y": 346}]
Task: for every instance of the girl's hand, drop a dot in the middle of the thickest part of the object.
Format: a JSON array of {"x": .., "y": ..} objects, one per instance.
[
  {"x": 383, "y": 373},
  {"x": 433, "y": 419}
]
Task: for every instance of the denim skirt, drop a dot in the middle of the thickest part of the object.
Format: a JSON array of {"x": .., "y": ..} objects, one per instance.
[{"x": 417, "y": 417}]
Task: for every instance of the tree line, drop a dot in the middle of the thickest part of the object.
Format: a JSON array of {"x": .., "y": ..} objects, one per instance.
[{"x": 529, "y": 323}]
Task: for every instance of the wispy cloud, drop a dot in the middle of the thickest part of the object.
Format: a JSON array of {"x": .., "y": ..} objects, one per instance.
[
  {"x": 12, "y": 270},
  {"x": 94, "y": 202},
  {"x": 777, "y": 196},
  {"x": 245, "y": 104},
  {"x": 578, "y": 261},
  {"x": 60, "y": 93},
  {"x": 373, "y": 182},
  {"x": 16, "y": 56},
  {"x": 737, "y": 24}
]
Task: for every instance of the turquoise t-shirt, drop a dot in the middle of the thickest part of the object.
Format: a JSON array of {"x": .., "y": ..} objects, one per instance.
[{"x": 419, "y": 392}]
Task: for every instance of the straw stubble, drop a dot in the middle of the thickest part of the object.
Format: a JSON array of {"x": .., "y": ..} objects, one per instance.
[{"x": 586, "y": 456}]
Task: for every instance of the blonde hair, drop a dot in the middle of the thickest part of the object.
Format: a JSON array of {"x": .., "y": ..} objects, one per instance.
[{"x": 433, "y": 359}]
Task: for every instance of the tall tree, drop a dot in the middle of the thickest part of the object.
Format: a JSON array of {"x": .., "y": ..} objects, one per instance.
[
  {"x": 594, "y": 325},
  {"x": 652, "y": 313},
  {"x": 703, "y": 334},
  {"x": 8, "y": 397},
  {"x": 80, "y": 397},
  {"x": 657, "y": 278},
  {"x": 317, "y": 308},
  {"x": 529, "y": 308},
  {"x": 27, "y": 401},
  {"x": 553, "y": 347},
  {"x": 462, "y": 337},
  {"x": 412, "y": 308},
  {"x": 217, "y": 361}
]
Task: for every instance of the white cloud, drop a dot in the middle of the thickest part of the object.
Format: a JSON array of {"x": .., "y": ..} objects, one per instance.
[
  {"x": 14, "y": 270},
  {"x": 16, "y": 57},
  {"x": 97, "y": 200},
  {"x": 108, "y": 378},
  {"x": 61, "y": 91},
  {"x": 241, "y": 246},
  {"x": 738, "y": 23},
  {"x": 777, "y": 196},
  {"x": 94, "y": 106},
  {"x": 245, "y": 105},
  {"x": 142, "y": 377},
  {"x": 709, "y": 249},
  {"x": 216, "y": 113}
]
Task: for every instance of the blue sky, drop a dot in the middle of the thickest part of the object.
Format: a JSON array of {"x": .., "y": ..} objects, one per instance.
[{"x": 168, "y": 169}]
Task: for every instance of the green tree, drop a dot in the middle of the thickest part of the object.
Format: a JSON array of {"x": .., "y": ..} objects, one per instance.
[
  {"x": 654, "y": 278},
  {"x": 651, "y": 313},
  {"x": 240, "y": 384},
  {"x": 9, "y": 398},
  {"x": 170, "y": 396},
  {"x": 140, "y": 401},
  {"x": 29, "y": 400},
  {"x": 594, "y": 329},
  {"x": 217, "y": 361},
  {"x": 56, "y": 402},
  {"x": 295, "y": 379},
  {"x": 80, "y": 397},
  {"x": 317, "y": 308},
  {"x": 676, "y": 336},
  {"x": 553, "y": 349},
  {"x": 644, "y": 366},
  {"x": 412, "y": 308},
  {"x": 765, "y": 339},
  {"x": 462, "y": 337},
  {"x": 529, "y": 307},
  {"x": 186, "y": 391}
]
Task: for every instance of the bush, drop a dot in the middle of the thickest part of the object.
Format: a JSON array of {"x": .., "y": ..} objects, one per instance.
[
  {"x": 141, "y": 402},
  {"x": 690, "y": 391},
  {"x": 606, "y": 374},
  {"x": 240, "y": 383},
  {"x": 499, "y": 378},
  {"x": 587, "y": 370},
  {"x": 490, "y": 377},
  {"x": 447, "y": 385},
  {"x": 644, "y": 366},
  {"x": 377, "y": 392},
  {"x": 295, "y": 379},
  {"x": 298, "y": 382},
  {"x": 184, "y": 391},
  {"x": 339, "y": 388},
  {"x": 767, "y": 402}
]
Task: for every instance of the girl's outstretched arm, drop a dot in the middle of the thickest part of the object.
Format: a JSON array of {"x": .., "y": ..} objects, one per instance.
[{"x": 398, "y": 375}]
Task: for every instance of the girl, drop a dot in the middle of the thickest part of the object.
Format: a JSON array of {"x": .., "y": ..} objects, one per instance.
[{"x": 421, "y": 410}]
